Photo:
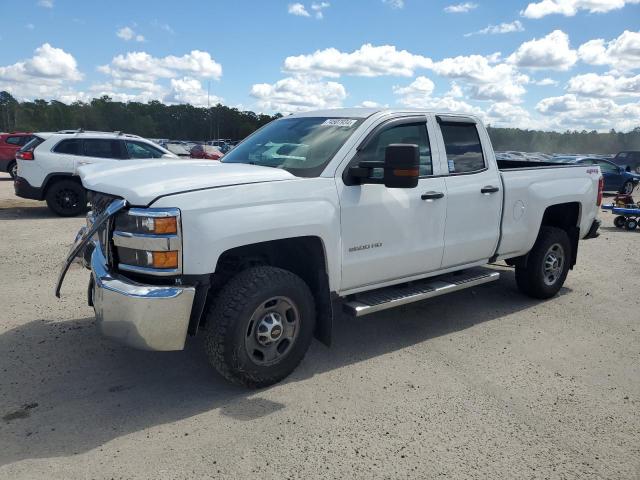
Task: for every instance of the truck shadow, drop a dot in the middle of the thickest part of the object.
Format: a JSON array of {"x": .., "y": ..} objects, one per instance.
[
  {"x": 26, "y": 212},
  {"x": 65, "y": 390}
]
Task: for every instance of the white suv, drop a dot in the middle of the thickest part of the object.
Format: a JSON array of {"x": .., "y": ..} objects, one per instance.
[{"x": 48, "y": 164}]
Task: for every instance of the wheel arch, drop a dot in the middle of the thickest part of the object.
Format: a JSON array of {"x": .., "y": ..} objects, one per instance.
[
  {"x": 305, "y": 256},
  {"x": 565, "y": 216},
  {"x": 54, "y": 178}
]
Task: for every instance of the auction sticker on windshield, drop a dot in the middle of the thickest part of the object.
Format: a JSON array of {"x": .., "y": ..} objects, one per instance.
[{"x": 339, "y": 122}]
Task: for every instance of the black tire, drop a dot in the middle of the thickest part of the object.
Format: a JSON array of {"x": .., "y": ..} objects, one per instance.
[
  {"x": 627, "y": 187},
  {"x": 66, "y": 198},
  {"x": 542, "y": 277},
  {"x": 12, "y": 168},
  {"x": 631, "y": 224},
  {"x": 231, "y": 324},
  {"x": 619, "y": 221}
]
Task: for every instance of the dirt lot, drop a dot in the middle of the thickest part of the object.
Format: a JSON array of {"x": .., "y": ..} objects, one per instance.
[{"x": 481, "y": 384}]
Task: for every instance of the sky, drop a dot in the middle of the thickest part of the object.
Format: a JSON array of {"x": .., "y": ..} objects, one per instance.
[{"x": 543, "y": 64}]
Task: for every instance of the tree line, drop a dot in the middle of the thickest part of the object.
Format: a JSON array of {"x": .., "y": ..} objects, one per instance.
[{"x": 186, "y": 122}]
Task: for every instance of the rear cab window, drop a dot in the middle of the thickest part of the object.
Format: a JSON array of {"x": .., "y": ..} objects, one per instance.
[{"x": 463, "y": 147}]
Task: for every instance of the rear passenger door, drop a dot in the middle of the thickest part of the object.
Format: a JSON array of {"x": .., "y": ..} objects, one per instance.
[{"x": 474, "y": 193}]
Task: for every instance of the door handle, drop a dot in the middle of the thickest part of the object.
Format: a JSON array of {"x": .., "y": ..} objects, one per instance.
[
  {"x": 489, "y": 189},
  {"x": 431, "y": 195}
]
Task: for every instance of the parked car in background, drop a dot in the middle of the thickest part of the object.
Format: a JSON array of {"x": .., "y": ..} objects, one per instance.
[
  {"x": 10, "y": 143},
  {"x": 48, "y": 164},
  {"x": 207, "y": 152},
  {"x": 178, "y": 149},
  {"x": 629, "y": 160},
  {"x": 223, "y": 145},
  {"x": 616, "y": 178}
]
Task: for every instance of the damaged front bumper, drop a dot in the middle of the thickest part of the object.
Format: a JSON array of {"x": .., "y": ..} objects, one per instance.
[{"x": 150, "y": 317}]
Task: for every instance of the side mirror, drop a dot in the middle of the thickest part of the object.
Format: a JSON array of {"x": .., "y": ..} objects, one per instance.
[{"x": 401, "y": 165}]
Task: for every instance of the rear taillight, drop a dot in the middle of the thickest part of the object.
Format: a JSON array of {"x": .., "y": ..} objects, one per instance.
[
  {"x": 600, "y": 189},
  {"x": 28, "y": 155}
]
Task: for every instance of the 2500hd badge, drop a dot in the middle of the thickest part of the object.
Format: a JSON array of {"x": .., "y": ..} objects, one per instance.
[{"x": 365, "y": 247}]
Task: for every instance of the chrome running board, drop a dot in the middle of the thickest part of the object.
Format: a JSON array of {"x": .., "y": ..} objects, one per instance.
[{"x": 389, "y": 297}]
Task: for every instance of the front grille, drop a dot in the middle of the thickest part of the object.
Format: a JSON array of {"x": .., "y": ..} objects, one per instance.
[{"x": 100, "y": 201}]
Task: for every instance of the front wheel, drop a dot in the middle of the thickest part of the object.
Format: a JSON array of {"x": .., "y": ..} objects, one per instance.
[
  {"x": 66, "y": 198},
  {"x": 631, "y": 224},
  {"x": 547, "y": 264},
  {"x": 260, "y": 326}
]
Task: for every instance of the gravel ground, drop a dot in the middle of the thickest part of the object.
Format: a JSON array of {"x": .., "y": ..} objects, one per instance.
[{"x": 484, "y": 383}]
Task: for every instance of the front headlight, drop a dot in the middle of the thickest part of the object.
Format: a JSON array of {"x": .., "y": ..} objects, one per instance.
[{"x": 149, "y": 241}]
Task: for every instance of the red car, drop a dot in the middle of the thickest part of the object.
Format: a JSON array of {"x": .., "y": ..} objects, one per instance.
[
  {"x": 207, "y": 152},
  {"x": 10, "y": 143}
]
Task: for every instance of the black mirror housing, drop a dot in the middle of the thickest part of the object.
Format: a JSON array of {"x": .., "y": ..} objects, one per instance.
[{"x": 401, "y": 165}]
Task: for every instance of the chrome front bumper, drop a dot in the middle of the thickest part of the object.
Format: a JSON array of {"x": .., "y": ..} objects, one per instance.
[{"x": 148, "y": 317}]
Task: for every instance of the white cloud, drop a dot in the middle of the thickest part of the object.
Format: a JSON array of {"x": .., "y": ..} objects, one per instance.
[
  {"x": 298, "y": 9},
  {"x": 546, "y": 82},
  {"x": 418, "y": 94},
  {"x": 141, "y": 66},
  {"x": 395, "y": 4},
  {"x": 45, "y": 75},
  {"x": 604, "y": 86},
  {"x": 569, "y": 8},
  {"x": 293, "y": 94},
  {"x": 371, "y": 104},
  {"x": 461, "y": 7},
  {"x": 318, "y": 8},
  {"x": 45, "y": 3},
  {"x": 189, "y": 90},
  {"x": 622, "y": 53},
  {"x": 515, "y": 26},
  {"x": 505, "y": 114},
  {"x": 550, "y": 52},
  {"x": 571, "y": 111},
  {"x": 485, "y": 79},
  {"x": 367, "y": 61},
  {"x": 127, "y": 33},
  {"x": 30, "y": 26}
]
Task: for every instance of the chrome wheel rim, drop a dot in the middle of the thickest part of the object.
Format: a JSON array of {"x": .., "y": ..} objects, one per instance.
[
  {"x": 628, "y": 188},
  {"x": 14, "y": 170},
  {"x": 272, "y": 331},
  {"x": 553, "y": 264}
]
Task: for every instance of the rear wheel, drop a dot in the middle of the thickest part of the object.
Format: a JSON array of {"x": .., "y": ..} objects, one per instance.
[
  {"x": 631, "y": 224},
  {"x": 13, "y": 169},
  {"x": 619, "y": 221},
  {"x": 547, "y": 264},
  {"x": 260, "y": 326},
  {"x": 67, "y": 198}
]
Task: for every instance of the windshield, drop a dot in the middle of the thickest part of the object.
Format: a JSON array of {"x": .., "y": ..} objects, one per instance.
[{"x": 302, "y": 146}]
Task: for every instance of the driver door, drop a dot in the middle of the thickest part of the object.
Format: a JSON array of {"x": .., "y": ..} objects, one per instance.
[{"x": 392, "y": 233}]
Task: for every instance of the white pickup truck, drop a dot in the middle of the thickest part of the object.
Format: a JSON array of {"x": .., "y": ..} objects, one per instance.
[{"x": 351, "y": 211}]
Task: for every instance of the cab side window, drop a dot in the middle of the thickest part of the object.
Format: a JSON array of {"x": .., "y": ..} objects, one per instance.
[
  {"x": 463, "y": 147},
  {"x": 411, "y": 133},
  {"x": 103, "y": 148}
]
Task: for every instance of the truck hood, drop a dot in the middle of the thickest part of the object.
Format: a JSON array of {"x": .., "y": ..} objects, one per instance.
[{"x": 140, "y": 182}]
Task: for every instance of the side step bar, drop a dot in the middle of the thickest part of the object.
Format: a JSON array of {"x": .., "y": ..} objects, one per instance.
[{"x": 389, "y": 297}]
